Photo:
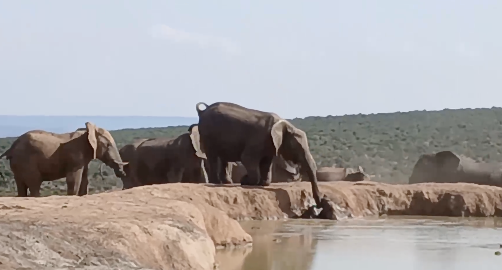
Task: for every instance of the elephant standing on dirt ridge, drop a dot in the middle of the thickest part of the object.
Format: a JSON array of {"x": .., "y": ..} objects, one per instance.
[
  {"x": 448, "y": 167},
  {"x": 231, "y": 133},
  {"x": 168, "y": 160},
  {"x": 38, "y": 156},
  {"x": 127, "y": 153}
]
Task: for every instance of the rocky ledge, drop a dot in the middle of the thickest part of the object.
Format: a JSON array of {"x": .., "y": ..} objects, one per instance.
[{"x": 179, "y": 226}]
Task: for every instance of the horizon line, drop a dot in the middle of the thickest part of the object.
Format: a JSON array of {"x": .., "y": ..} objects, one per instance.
[{"x": 160, "y": 116}]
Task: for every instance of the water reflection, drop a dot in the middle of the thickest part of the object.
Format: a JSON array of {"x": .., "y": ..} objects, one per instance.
[
  {"x": 391, "y": 243},
  {"x": 277, "y": 245}
]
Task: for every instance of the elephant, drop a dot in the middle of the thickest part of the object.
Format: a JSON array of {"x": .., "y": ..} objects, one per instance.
[
  {"x": 127, "y": 153},
  {"x": 282, "y": 171},
  {"x": 332, "y": 174},
  {"x": 38, "y": 156},
  {"x": 448, "y": 167},
  {"x": 230, "y": 133},
  {"x": 168, "y": 160}
]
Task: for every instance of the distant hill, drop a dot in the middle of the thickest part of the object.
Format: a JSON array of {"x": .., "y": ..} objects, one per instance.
[
  {"x": 386, "y": 145},
  {"x": 13, "y": 126}
]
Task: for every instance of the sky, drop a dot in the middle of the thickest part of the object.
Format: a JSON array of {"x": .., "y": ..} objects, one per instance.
[{"x": 294, "y": 58}]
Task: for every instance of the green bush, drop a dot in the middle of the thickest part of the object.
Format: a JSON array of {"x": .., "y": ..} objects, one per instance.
[{"x": 386, "y": 145}]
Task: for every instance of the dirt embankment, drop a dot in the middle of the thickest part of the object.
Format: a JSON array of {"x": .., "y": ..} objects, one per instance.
[{"x": 176, "y": 226}]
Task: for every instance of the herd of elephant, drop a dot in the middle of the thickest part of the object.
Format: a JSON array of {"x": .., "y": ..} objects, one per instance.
[{"x": 229, "y": 144}]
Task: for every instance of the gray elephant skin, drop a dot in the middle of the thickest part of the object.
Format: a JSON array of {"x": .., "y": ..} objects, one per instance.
[
  {"x": 232, "y": 133},
  {"x": 127, "y": 153},
  {"x": 333, "y": 174},
  {"x": 282, "y": 171},
  {"x": 448, "y": 167},
  {"x": 166, "y": 160},
  {"x": 38, "y": 156}
]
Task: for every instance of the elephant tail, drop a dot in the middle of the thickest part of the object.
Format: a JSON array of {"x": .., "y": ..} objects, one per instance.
[
  {"x": 199, "y": 111},
  {"x": 8, "y": 153}
]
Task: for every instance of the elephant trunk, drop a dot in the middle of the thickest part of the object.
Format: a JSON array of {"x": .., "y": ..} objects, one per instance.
[{"x": 311, "y": 169}]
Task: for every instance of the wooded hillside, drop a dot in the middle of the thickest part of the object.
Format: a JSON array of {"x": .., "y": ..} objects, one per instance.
[{"x": 385, "y": 145}]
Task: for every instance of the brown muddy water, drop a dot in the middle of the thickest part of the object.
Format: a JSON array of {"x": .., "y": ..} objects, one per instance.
[{"x": 385, "y": 243}]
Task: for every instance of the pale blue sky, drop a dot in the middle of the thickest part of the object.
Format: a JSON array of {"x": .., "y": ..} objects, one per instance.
[{"x": 296, "y": 58}]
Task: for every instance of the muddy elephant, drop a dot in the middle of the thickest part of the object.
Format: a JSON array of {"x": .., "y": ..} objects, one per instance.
[
  {"x": 333, "y": 174},
  {"x": 282, "y": 171},
  {"x": 38, "y": 156},
  {"x": 168, "y": 160},
  {"x": 231, "y": 133},
  {"x": 448, "y": 167}
]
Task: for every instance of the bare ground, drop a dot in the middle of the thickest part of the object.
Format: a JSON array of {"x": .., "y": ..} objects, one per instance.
[{"x": 178, "y": 226}]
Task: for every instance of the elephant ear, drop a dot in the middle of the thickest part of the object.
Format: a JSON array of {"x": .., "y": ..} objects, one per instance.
[
  {"x": 447, "y": 160},
  {"x": 195, "y": 137},
  {"x": 93, "y": 141},
  {"x": 277, "y": 133}
]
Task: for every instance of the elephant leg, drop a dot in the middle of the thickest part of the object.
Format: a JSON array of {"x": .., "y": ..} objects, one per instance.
[
  {"x": 22, "y": 188},
  {"x": 223, "y": 172},
  {"x": 32, "y": 181},
  {"x": 213, "y": 169},
  {"x": 252, "y": 178},
  {"x": 73, "y": 181},
  {"x": 175, "y": 175},
  {"x": 35, "y": 189},
  {"x": 266, "y": 171},
  {"x": 84, "y": 184}
]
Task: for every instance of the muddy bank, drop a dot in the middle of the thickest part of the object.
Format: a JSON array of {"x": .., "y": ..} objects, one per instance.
[
  {"x": 359, "y": 199},
  {"x": 178, "y": 226}
]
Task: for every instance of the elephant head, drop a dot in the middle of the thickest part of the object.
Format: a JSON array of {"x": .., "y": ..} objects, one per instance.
[
  {"x": 104, "y": 148},
  {"x": 429, "y": 166},
  {"x": 292, "y": 144}
]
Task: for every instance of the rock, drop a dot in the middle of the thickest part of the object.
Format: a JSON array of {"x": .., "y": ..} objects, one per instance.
[{"x": 113, "y": 231}]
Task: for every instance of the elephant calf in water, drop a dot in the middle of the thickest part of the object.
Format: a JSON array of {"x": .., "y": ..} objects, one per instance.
[
  {"x": 164, "y": 160},
  {"x": 38, "y": 156},
  {"x": 448, "y": 167}
]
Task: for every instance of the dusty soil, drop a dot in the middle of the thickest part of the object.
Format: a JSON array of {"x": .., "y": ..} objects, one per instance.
[{"x": 178, "y": 226}]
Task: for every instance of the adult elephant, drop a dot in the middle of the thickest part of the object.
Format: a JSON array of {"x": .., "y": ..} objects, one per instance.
[
  {"x": 168, "y": 160},
  {"x": 333, "y": 174},
  {"x": 127, "y": 153},
  {"x": 282, "y": 171},
  {"x": 448, "y": 167},
  {"x": 231, "y": 133},
  {"x": 38, "y": 156}
]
